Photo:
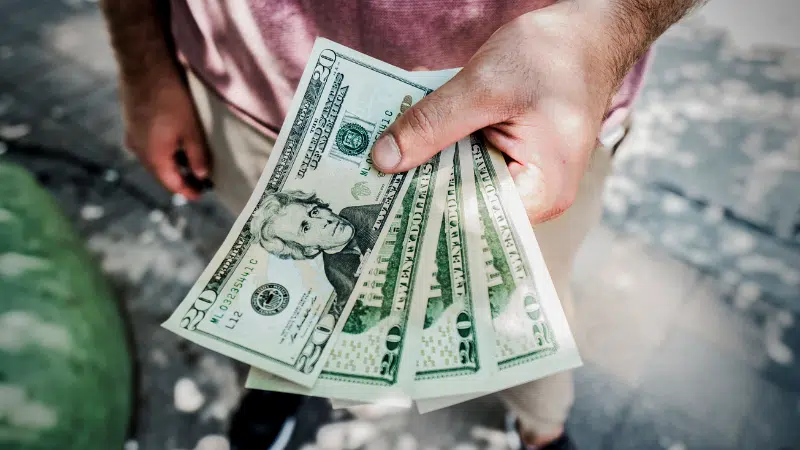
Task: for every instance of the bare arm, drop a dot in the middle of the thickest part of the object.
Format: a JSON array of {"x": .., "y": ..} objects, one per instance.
[
  {"x": 539, "y": 89},
  {"x": 157, "y": 108},
  {"x": 139, "y": 39},
  {"x": 635, "y": 24}
]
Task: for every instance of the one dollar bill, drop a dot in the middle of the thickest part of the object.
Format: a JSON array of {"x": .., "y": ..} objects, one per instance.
[{"x": 279, "y": 289}]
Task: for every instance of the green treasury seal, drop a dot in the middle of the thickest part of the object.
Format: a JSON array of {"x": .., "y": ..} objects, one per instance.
[{"x": 352, "y": 139}]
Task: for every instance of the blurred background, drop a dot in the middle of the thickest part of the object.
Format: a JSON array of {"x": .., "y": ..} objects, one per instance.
[{"x": 688, "y": 294}]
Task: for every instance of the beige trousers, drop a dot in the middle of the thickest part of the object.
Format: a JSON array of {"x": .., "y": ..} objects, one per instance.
[{"x": 239, "y": 153}]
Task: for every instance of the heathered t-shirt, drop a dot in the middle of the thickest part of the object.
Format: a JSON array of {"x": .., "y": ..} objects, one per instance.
[{"x": 252, "y": 52}]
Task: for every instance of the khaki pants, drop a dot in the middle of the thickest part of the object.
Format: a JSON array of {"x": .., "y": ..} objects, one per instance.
[{"x": 239, "y": 153}]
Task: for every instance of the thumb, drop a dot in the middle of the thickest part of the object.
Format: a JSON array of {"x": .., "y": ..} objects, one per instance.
[{"x": 437, "y": 121}]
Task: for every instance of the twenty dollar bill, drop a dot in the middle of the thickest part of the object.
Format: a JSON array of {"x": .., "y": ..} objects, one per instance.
[
  {"x": 375, "y": 354},
  {"x": 531, "y": 336},
  {"x": 279, "y": 289},
  {"x": 456, "y": 341}
]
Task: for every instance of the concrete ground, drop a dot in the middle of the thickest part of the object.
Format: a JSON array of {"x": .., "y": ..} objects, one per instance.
[{"x": 688, "y": 295}]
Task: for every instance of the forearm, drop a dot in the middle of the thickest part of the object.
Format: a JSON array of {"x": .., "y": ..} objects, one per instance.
[
  {"x": 137, "y": 29},
  {"x": 629, "y": 27}
]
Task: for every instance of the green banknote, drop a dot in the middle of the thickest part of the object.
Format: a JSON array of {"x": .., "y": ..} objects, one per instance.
[
  {"x": 280, "y": 287},
  {"x": 531, "y": 336},
  {"x": 373, "y": 358},
  {"x": 457, "y": 340}
]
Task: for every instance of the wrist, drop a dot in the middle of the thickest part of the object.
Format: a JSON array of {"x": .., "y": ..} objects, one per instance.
[
  {"x": 623, "y": 30},
  {"x": 577, "y": 36},
  {"x": 148, "y": 65},
  {"x": 139, "y": 36},
  {"x": 145, "y": 78}
]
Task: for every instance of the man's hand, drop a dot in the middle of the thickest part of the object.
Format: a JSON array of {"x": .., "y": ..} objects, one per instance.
[
  {"x": 159, "y": 115},
  {"x": 159, "y": 120},
  {"x": 539, "y": 88}
]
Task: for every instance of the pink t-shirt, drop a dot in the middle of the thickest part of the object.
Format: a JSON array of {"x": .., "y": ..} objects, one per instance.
[{"x": 253, "y": 52}]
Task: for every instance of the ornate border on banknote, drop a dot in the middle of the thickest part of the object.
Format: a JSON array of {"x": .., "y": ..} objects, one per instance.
[
  {"x": 486, "y": 182},
  {"x": 288, "y": 153},
  {"x": 402, "y": 273},
  {"x": 452, "y": 250},
  {"x": 365, "y": 363}
]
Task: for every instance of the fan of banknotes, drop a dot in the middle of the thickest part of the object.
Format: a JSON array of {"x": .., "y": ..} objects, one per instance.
[{"x": 339, "y": 281}]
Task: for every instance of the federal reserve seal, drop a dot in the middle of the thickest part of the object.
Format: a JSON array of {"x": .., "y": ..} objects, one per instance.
[
  {"x": 270, "y": 299},
  {"x": 352, "y": 139}
]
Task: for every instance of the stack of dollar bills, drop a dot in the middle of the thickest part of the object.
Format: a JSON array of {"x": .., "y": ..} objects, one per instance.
[{"x": 340, "y": 281}]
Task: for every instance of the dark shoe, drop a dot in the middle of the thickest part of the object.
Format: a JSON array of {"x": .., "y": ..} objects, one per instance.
[
  {"x": 264, "y": 420},
  {"x": 515, "y": 440},
  {"x": 562, "y": 443}
]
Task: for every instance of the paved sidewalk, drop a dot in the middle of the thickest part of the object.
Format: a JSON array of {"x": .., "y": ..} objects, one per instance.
[{"x": 689, "y": 341}]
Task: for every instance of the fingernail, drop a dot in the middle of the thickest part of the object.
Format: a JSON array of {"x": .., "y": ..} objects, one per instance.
[{"x": 385, "y": 153}]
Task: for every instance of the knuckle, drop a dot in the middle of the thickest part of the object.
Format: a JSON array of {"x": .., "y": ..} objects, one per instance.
[
  {"x": 422, "y": 123},
  {"x": 563, "y": 203},
  {"x": 561, "y": 206},
  {"x": 171, "y": 182},
  {"x": 554, "y": 199},
  {"x": 576, "y": 128}
]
